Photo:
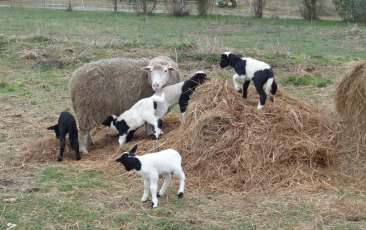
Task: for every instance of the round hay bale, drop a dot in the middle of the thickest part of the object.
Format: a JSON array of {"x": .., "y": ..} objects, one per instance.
[
  {"x": 228, "y": 144},
  {"x": 350, "y": 96}
]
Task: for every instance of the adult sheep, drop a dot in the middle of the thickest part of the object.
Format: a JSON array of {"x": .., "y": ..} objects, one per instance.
[{"x": 111, "y": 86}]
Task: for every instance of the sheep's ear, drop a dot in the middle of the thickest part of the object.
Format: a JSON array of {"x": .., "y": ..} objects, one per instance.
[
  {"x": 133, "y": 150},
  {"x": 171, "y": 68},
  {"x": 146, "y": 68}
]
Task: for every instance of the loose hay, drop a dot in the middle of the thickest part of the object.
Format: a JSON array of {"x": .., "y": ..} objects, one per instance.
[{"x": 230, "y": 145}]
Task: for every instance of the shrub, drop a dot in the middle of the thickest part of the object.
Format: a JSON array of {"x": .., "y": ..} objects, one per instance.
[
  {"x": 258, "y": 7},
  {"x": 203, "y": 6},
  {"x": 351, "y": 10},
  {"x": 144, "y": 6},
  {"x": 311, "y": 9},
  {"x": 176, "y": 9}
]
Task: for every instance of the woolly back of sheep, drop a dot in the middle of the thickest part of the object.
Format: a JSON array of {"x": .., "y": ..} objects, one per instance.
[
  {"x": 350, "y": 96},
  {"x": 105, "y": 87},
  {"x": 230, "y": 145}
]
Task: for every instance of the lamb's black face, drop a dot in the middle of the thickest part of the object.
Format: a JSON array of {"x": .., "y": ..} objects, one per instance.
[
  {"x": 201, "y": 77},
  {"x": 224, "y": 60},
  {"x": 55, "y": 128}
]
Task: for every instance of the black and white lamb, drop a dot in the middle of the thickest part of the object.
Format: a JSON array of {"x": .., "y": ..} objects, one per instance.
[
  {"x": 179, "y": 93},
  {"x": 250, "y": 69},
  {"x": 140, "y": 113},
  {"x": 66, "y": 124},
  {"x": 150, "y": 166}
]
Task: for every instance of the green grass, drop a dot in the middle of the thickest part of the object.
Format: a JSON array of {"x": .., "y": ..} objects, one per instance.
[{"x": 70, "y": 195}]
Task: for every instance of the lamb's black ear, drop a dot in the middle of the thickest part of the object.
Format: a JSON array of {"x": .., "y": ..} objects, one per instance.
[
  {"x": 133, "y": 150},
  {"x": 52, "y": 127}
]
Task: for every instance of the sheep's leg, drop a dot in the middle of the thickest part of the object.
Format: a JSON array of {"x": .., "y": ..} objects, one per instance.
[
  {"x": 90, "y": 139},
  {"x": 262, "y": 94},
  {"x": 236, "y": 77},
  {"x": 167, "y": 180},
  {"x": 146, "y": 190},
  {"x": 83, "y": 140},
  {"x": 245, "y": 89},
  {"x": 268, "y": 88},
  {"x": 154, "y": 189},
  {"x": 62, "y": 147},
  {"x": 182, "y": 177}
]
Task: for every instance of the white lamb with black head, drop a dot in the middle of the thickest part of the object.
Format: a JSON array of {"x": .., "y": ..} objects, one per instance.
[
  {"x": 250, "y": 69},
  {"x": 177, "y": 93},
  {"x": 150, "y": 166},
  {"x": 140, "y": 113}
]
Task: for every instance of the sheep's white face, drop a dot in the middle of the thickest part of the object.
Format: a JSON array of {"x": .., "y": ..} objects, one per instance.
[{"x": 159, "y": 75}]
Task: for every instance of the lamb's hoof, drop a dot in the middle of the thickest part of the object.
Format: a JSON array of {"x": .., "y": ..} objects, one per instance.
[
  {"x": 78, "y": 158},
  {"x": 239, "y": 90},
  {"x": 153, "y": 205},
  {"x": 272, "y": 99},
  {"x": 59, "y": 159},
  {"x": 158, "y": 195},
  {"x": 260, "y": 106},
  {"x": 153, "y": 137},
  {"x": 180, "y": 195}
]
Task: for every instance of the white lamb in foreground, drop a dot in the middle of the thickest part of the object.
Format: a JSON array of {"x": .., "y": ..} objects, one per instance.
[{"x": 150, "y": 166}]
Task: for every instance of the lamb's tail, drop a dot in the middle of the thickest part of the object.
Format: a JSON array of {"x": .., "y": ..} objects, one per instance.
[{"x": 157, "y": 98}]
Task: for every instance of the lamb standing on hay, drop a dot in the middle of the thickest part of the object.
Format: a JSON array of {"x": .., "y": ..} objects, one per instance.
[
  {"x": 177, "y": 93},
  {"x": 111, "y": 86},
  {"x": 150, "y": 166},
  {"x": 250, "y": 69},
  {"x": 140, "y": 113},
  {"x": 66, "y": 124}
]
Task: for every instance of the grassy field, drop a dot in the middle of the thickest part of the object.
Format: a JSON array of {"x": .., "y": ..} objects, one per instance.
[{"x": 36, "y": 192}]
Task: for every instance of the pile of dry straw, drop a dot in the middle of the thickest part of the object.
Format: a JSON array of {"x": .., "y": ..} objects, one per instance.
[{"x": 230, "y": 145}]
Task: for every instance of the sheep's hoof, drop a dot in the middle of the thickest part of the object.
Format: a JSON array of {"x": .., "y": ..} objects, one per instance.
[
  {"x": 180, "y": 195},
  {"x": 158, "y": 195},
  {"x": 153, "y": 205},
  {"x": 59, "y": 159},
  {"x": 78, "y": 158},
  {"x": 239, "y": 90}
]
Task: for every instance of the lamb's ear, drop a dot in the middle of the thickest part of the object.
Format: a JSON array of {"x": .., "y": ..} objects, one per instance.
[
  {"x": 146, "y": 68},
  {"x": 133, "y": 150},
  {"x": 52, "y": 127}
]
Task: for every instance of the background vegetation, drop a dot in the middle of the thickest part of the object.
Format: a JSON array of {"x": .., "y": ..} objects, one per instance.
[{"x": 39, "y": 50}]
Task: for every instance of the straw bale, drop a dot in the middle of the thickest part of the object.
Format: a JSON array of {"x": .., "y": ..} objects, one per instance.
[{"x": 350, "y": 96}]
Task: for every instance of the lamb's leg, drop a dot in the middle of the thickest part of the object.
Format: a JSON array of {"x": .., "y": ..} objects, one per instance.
[
  {"x": 149, "y": 129},
  {"x": 273, "y": 90},
  {"x": 158, "y": 124},
  {"x": 236, "y": 77},
  {"x": 62, "y": 147},
  {"x": 167, "y": 180},
  {"x": 83, "y": 140},
  {"x": 146, "y": 190},
  {"x": 182, "y": 177},
  {"x": 262, "y": 94},
  {"x": 245, "y": 89},
  {"x": 154, "y": 189}
]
